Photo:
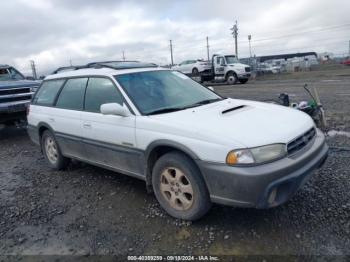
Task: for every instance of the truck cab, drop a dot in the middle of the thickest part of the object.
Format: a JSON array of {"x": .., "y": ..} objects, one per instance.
[
  {"x": 227, "y": 68},
  {"x": 16, "y": 92}
]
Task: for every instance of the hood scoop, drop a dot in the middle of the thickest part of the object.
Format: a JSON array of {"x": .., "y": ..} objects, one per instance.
[{"x": 233, "y": 109}]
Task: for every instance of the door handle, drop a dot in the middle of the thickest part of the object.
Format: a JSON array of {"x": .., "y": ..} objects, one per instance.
[
  {"x": 86, "y": 125},
  {"x": 51, "y": 119}
]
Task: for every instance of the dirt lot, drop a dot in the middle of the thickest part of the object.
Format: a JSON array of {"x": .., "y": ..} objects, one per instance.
[{"x": 88, "y": 210}]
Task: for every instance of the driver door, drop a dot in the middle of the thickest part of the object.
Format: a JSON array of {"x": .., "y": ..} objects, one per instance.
[
  {"x": 219, "y": 65},
  {"x": 109, "y": 140}
]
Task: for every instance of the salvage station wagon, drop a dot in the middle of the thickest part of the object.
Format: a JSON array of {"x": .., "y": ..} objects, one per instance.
[{"x": 191, "y": 146}]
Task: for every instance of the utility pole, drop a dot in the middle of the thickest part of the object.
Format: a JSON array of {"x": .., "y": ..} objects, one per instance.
[
  {"x": 250, "y": 48},
  {"x": 171, "y": 53},
  {"x": 123, "y": 56},
  {"x": 32, "y": 64},
  {"x": 234, "y": 30},
  {"x": 208, "y": 48}
]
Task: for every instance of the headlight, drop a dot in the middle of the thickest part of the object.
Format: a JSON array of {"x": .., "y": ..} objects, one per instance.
[{"x": 256, "y": 155}]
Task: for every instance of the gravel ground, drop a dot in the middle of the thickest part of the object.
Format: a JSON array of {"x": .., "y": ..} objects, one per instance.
[{"x": 88, "y": 210}]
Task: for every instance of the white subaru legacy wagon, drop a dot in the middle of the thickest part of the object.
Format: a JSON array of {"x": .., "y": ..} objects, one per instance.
[{"x": 190, "y": 145}]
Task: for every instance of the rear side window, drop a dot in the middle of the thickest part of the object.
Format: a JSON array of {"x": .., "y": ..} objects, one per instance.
[
  {"x": 72, "y": 94},
  {"x": 101, "y": 91},
  {"x": 47, "y": 92}
]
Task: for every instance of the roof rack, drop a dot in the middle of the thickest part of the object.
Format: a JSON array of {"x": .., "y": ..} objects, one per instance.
[
  {"x": 117, "y": 65},
  {"x": 64, "y": 68}
]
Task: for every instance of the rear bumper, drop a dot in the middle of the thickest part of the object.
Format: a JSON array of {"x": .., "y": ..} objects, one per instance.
[{"x": 266, "y": 185}]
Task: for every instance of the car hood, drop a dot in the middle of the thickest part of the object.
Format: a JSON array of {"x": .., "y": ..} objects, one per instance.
[
  {"x": 18, "y": 83},
  {"x": 245, "y": 123}
]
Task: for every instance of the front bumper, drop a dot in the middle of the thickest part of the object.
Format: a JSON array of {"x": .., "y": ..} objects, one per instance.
[
  {"x": 11, "y": 111},
  {"x": 265, "y": 185},
  {"x": 244, "y": 75}
]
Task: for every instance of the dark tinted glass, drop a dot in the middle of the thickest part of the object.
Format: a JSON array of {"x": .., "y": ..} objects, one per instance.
[
  {"x": 72, "y": 94},
  {"x": 101, "y": 91},
  {"x": 47, "y": 92}
]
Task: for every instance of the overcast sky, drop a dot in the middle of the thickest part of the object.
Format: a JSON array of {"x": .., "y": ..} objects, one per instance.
[{"x": 54, "y": 32}]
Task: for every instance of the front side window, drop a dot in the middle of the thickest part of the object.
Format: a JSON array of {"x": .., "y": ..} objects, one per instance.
[
  {"x": 101, "y": 91},
  {"x": 10, "y": 74},
  {"x": 72, "y": 94},
  {"x": 164, "y": 91},
  {"x": 47, "y": 92},
  {"x": 15, "y": 74}
]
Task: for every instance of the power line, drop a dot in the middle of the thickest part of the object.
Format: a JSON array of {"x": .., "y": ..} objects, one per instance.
[{"x": 300, "y": 33}]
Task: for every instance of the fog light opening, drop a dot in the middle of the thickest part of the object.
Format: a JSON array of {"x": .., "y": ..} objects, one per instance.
[{"x": 272, "y": 196}]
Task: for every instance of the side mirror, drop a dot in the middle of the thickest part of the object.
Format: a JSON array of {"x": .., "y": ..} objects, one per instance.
[
  {"x": 114, "y": 109},
  {"x": 211, "y": 88}
]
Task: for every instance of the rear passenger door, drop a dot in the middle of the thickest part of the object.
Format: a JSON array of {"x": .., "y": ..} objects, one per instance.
[
  {"x": 66, "y": 117},
  {"x": 109, "y": 139}
]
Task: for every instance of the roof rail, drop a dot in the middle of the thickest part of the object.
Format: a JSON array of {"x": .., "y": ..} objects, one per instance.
[
  {"x": 117, "y": 65},
  {"x": 63, "y": 68}
]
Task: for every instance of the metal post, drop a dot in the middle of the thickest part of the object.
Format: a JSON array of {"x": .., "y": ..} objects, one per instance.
[
  {"x": 208, "y": 48},
  {"x": 234, "y": 30},
  {"x": 171, "y": 53},
  {"x": 32, "y": 64},
  {"x": 250, "y": 48}
]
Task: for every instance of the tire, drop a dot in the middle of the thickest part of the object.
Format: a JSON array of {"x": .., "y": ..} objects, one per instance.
[
  {"x": 52, "y": 152},
  {"x": 231, "y": 78},
  {"x": 179, "y": 187},
  {"x": 195, "y": 72},
  {"x": 243, "y": 81}
]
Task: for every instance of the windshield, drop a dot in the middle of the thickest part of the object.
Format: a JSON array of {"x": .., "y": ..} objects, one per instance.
[
  {"x": 231, "y": 59},
  {"x": 10, "y": 74},
  {"x": 164, "y": 91}
]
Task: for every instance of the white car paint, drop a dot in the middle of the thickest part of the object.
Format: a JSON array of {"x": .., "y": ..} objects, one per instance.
[
  {"x": 204, "y": 129},
  {"x": 187, "y": 66}
]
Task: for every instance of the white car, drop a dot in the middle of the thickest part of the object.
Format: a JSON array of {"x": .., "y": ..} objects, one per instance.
[
  {"x": 191, "y": 146},
  {"x": 193, "y": 67}
]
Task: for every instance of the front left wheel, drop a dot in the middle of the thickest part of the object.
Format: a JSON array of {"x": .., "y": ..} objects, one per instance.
[
  {"x": 179, "y": 187},
  {"x": 231, "y": 78}
]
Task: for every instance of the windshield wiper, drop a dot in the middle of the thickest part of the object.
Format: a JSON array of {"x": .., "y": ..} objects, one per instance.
[
  {"x": 204, "y": 102},
  {"x": 173, "y": 109},
  {"x": 165, "y": 110}
]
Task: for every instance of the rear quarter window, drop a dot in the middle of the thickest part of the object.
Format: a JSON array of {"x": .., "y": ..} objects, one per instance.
[{"x": 47, "y": 92}]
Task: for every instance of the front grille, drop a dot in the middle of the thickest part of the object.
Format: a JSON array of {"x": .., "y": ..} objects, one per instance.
[
  {"x": 14, "y": 91},
  {"x": 14, "y": 99},
  {"x": 15, "y": 94},
  {"x": 301, "y": 141},
  {"x": 247, "y": 69}
]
